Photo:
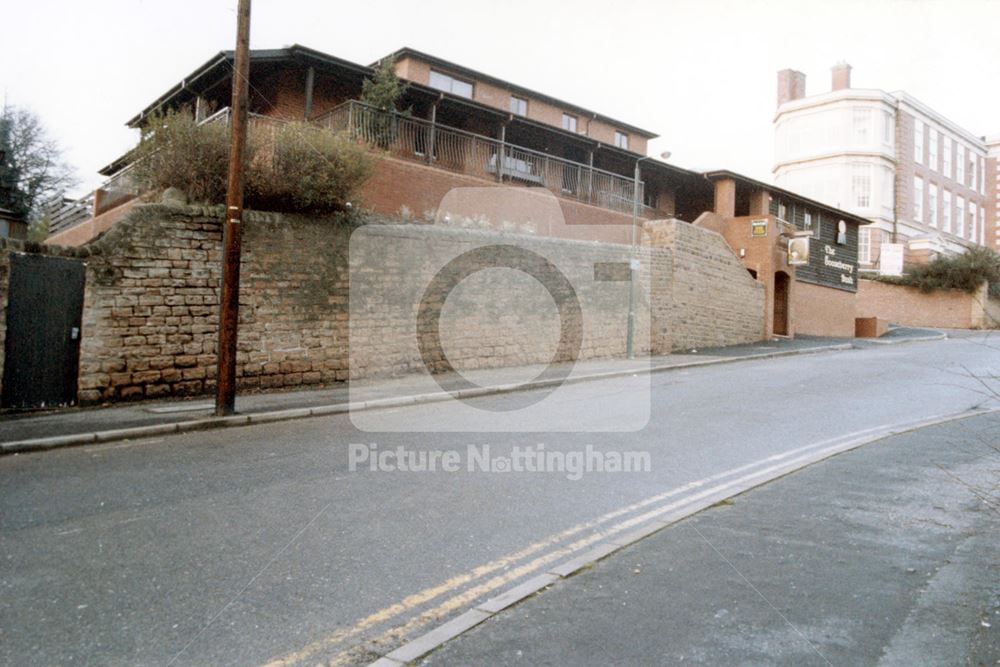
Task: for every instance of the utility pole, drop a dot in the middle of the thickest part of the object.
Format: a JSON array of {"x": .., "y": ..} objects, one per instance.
[{"x": 229, "y": 302}]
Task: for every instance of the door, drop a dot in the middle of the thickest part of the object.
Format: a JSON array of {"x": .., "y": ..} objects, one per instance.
[
  {"x": 44, "y": 310},
  {"x": 780, "y": 327}
]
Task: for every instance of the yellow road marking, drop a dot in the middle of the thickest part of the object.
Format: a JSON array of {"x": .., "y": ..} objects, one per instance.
[{"x": 453, "y": 583}]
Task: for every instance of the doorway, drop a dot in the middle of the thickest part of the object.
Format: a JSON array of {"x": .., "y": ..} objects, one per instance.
[{"x": 781, "y": 287}]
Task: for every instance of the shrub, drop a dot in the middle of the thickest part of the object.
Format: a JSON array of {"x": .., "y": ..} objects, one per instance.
[
  {"x": 293, "y": 168},
  {"x": 965, "y": 272},
  {"x": 309, "y": 169},
  {"x": 177, "y": 152}
]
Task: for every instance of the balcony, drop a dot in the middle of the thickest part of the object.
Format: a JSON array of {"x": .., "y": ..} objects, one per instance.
[
  {"x": 453, "y": 149},
  {"x": 456, "y": 150}
]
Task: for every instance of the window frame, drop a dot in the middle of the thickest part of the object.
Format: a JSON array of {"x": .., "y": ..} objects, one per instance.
[
  {"x": 452, "y": 79},
  {"x": 518, "y": 101},
  {"x": 569, "y": 119},
  {"x": 621, "y": 139}
]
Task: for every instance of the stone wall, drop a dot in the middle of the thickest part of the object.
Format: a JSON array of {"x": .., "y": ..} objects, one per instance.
[
  {"x": 151, "y": 301},
  {"x": 713, "y": 300},
  {"x": 944, "y": 308}
]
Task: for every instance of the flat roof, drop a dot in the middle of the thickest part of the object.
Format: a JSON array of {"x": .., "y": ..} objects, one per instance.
[
  {"x": 475, "y": 74},
  {"x": 719, "y": 174}
]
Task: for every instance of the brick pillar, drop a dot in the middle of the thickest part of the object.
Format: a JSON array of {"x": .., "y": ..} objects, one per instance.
[
  {"x": 759, "y": 202},
  {"x": 841, "y": 76},
  {"x": 725, "y": 198},
  {"x": 791, "y": 86}
]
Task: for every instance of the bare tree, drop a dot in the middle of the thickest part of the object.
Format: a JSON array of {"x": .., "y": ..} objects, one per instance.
[{"x": 32, "y": 167}]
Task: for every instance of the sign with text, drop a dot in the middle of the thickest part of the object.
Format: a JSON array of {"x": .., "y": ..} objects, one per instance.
[{"x": 758, "y": 227}]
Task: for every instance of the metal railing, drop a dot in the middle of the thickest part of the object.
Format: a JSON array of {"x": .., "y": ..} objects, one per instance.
[
  {"x": 457, "y": 150},
  {"x": 440, "y": 146}
]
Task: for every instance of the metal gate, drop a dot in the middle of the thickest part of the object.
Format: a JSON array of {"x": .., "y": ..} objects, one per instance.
[{"x": 44, "y": 309}]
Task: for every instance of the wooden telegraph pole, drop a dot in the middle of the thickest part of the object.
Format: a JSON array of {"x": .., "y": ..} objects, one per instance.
[{"x": 229, "y": 303}]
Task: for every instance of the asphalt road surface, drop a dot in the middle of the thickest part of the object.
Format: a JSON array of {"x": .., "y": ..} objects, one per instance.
[{"x": 259, "y": 545}]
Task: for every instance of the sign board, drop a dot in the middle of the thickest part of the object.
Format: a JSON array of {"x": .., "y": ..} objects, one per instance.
[
  {"x": 758, "y": 227},
  {"x": 798, "y": 251},
  {"x": 891, "y": 259}
]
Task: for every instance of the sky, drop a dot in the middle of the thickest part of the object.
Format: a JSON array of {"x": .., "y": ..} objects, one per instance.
[{"x": 702, "y": 74}]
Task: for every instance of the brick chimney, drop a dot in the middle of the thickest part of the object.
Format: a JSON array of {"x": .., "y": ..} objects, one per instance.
[
  {"x": 791, "y": 86},
  {"x": 841, "y": 76}
]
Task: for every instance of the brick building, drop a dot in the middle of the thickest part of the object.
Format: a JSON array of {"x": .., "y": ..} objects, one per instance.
[
  {"x": 467, "y": 131},
  {"x": 920, "y": 178}
]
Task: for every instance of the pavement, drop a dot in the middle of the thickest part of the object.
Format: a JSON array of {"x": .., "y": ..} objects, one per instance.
[
  {"x": 22, "y": 432},
  {"x": 886, "y": 555}
]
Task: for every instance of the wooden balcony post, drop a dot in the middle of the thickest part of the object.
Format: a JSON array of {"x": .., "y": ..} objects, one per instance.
[
  {"x": 432, "y": 132},
  {"x": 500, "y": 152},
  {"x": 310, "y": 79}
]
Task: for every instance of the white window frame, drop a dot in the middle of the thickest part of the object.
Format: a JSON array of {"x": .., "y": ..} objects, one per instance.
[
  {"x": 569, "y": 122},
  {"x": 932, "y": 150},
  {"x": 973, "y": 228},
  {"x": 918, "y": 199},
  {"x": 932, "y": 191},
  {"x": 959, "y": 163},
  {"x": 861, "y": 185},
  {"x": 918, "y": 141},
  {"x": 621, "y": 139},
  {"x": 946, "y": 151},
  {"x": 864, "y": 245},
  {"x": 518, "y": 105},
  {"x": 946, "y": 210},
  {"x": 960, "y": 216},
  {"x": 451, "y": 84}
]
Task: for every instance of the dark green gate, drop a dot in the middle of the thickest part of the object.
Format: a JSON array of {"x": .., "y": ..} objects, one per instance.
[{"x": 42, "y": 347}]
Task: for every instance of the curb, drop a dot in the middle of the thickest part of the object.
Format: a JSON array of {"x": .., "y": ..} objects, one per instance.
[
  {"x": 53, "y": 442},
  {"x": 437, "y": 637},
  {"x": 915, "y": 339}
]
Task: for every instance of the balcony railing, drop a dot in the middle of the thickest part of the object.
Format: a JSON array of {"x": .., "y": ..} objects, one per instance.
[
  {"x": 450, "y": 148},
  {"x": 453, "y": 149}
]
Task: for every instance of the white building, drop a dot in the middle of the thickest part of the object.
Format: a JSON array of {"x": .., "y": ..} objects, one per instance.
[{"x": 920, "y": 178}]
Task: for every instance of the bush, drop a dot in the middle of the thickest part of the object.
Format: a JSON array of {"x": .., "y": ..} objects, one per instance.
[
  {"x": 310, "y": 169},
  {"x": 177, "y": 152},
  {"x": 293, "y": 167},
  {"x": 965, "y": 272}
]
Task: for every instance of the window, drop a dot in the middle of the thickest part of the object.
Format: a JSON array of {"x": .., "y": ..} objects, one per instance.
[
  {"x": 569, "y": 122},
  {"x": 932, "y": 156},
  {"x": 918, "y": 142},
  {"x": 864, "y": 246},
  {"x": 946, "y": 211},
  {"x": 960, "y": 163},
  {"x": 887, "y": 128},
  {"x": 807, "y": 221},
  {"x": 621, "y": 140},
  {"x": 918, "y": 199},
  {"x": 932, "y": 205},
  {"x": 946, "y": 157},
  {"x": 982, "y": 177},
  {"x": 518, "y": 105},
  {"x": 982, "y": 226},
  {"x": 972, "y": 222},
  {"x": 782, "y": 211},
  {"x": 960, "y": 216},
  {"x": 450, "y": 84},
  {"x": 862, "y": 126},
  {"x": 861, "y": 185},
  {"x": 972, "y": 171}
]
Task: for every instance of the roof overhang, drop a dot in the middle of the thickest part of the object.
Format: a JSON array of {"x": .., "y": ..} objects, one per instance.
[{"x": 725, "y": 174}]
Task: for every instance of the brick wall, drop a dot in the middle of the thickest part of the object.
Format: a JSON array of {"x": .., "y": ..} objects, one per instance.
[
  {"x": 909, "y": 306},
  {"x": 822, "y": 311}
]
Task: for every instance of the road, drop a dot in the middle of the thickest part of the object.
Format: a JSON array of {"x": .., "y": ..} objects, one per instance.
[{"x": 258, "y": 545}]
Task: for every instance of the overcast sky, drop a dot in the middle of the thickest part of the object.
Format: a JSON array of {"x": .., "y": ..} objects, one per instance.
[{"x": 699, "y": 73}]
